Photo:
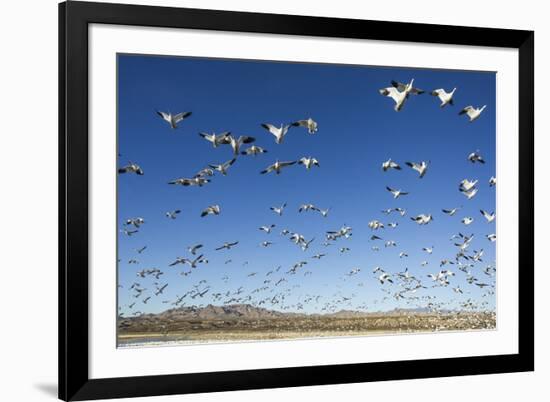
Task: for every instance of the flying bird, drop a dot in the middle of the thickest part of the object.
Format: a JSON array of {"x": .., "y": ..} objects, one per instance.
[
  {"x": 389, "y": 164},
  {"x": 267, "y": 229},
  {"x": 444, "y": 96},
  {"x": 195, "y": 181},
  {"x": 173, "y": 214},
  {"x": 278, "y": 132},
  {"x": 308, "y": 162},
  {"x": 277, "y": 166},
  {"x": 308, "y": 123},
  {"x": 489, "y": 216},
  {"x": 422, "y": 219},
  {"x": 307, "y": 207},
  {"x": 254, "y": 150},
  {"x": 137, "y": 222},
  {"x": 278, "y": 210},
  {"x": 173, "y": 119},
  {"x": 472, "y": 112},
  {"x": 227, "y": 246},
  {"x": 216, "y": 140},
  {"x": 399, "y": 92},
  {"x": 211, "y": 210},
  {"x": 193, "y": 249},
  {"x": 224, "y": 166},
  {"x": 131, "y": 168},
  {"x": 475, "y": 157},
  {"x": 396, "y": 193},
  {"x": 451, "y": 212},
  {"x": 236, "y": 143},
  {"x": 421, "y": 167}
]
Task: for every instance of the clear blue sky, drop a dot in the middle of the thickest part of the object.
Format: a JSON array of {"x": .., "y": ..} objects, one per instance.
[{"x": 358, "y": 130}]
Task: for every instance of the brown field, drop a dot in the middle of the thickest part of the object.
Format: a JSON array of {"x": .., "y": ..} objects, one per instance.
[{"x": 141, "y": 332}]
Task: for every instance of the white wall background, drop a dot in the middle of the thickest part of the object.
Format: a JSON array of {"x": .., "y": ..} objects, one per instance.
[{"x": 28, "y": 198}]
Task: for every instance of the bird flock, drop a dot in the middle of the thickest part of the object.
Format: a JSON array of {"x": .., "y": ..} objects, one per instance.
[{"x": 275, "y": 286}]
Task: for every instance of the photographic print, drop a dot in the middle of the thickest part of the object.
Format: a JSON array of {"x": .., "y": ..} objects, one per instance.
[{"x": 261, "y": 200}]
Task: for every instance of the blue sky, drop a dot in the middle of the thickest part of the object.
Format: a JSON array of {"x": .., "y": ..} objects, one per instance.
[{"x": 358, "y": 130}]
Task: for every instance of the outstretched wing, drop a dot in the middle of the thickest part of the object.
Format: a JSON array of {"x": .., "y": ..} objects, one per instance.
[
  {"x": 180, "y": 116},
  {"x": 466, "y": 110},
  {"x": 163, "y": 115}
]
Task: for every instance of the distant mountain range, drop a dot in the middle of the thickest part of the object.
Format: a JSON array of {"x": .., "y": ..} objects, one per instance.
[{"x": 249, "y": 312}]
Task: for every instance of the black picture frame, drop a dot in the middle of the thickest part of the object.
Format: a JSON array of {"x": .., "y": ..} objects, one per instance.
[{"x": 74, "y": 381}]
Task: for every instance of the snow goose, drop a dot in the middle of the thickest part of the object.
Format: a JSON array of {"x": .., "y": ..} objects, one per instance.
[
  {"x": 475, "y": 157},
  {"x": 308, "y": 123},
  {"x": 390, "y": 243},
  {"x": 421, "y": 167},
  {"x": 195, "y": 181},
  {"x": 224, "y": 166},
  {"x": 306, "y": 243},
  {"x": 173, "y": 119},
  {"x": 206, "y": 172},
  {"x": 396, "y": 193},
  {"x": 266, "y": 228},
  {"x": 451, "y": 212},
  {"x": 428, "y": 250},
  {"x": 254, "y": 150},
  {"x": 137, "y": 222},
  {"x": 374, "y": 237},
  {"x": 318, "y": 256},
  {"x": 398, "y": 97},
  {"x": 444, "y": 96},
  {"x": 266, "y": 243},
  {"x": 324, "y": 212},
  {"x": 491, "y": 237},
  {"x": 472, "y": 112},
  {"x": 173, "y": 214},
  {"x": 193, "y": 249},
  {"x": 492, "y": 181},
  {"x": 278, "y": 210},
  {"x": 227, "y": 245},
  {"x": 477, "y": 256},
  {"x": 131, "y": 168},
  {"x": 375, "y": 225},
  {"x": 278, "y": 132},
  {"x": 308, "y": 162},
  {"x": 467, "y": 220},
  {"x": 393, "y": 225},
  {"x": 193, "y": 263},
  {"x": 403, "y": 254},
  {"x": 470, "y": 193},
  {"x": 401, "y": 211},
  {"x": 467, "y": 185},
  {"x": 344, "y": 249},
  {"x": 389, "y": 164},
  {"x": 307, "y": 207},
  {"x": 236, "y": 143},
  {"x": 399, "y": 92},
  {"x": 408, "y": 88},
  {"x": 216, "y": 139},
  {"x": 277, "y": 166},
  {"x": 422, "y": 219},
  {"x": 211, "y": 210},
  {"x": 385, "y": 277},
  {"x": 129, "y": 232},
  {"x": 489, "y": 216}
]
